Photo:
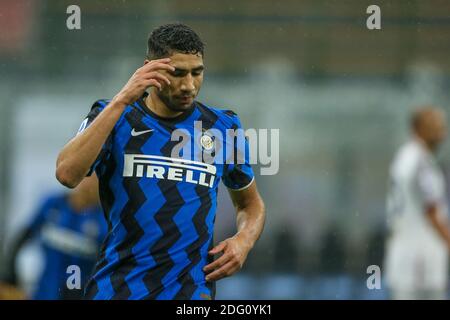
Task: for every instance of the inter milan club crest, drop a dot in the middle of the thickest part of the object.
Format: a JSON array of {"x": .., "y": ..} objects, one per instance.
[{"x": 207, "y": 142}]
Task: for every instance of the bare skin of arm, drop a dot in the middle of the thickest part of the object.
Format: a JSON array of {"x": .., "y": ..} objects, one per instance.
[
  {"x": 250, "y": 218},
  {"x": 440, "y": 226},
  {"x": 77, "y": 156}
]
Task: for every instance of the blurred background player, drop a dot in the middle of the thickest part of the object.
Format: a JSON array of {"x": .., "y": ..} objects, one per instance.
[
  {"x": 417, "y": 247},
  {"x": 70, "y": 227}
]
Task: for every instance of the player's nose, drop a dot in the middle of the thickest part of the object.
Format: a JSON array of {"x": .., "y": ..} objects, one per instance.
[{"x": 187, "y": 83}]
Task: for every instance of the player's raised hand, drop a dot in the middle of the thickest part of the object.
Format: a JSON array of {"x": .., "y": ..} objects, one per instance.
[
  {"x": 149, "y": 75},
  {"x": 234, "y": 253}
]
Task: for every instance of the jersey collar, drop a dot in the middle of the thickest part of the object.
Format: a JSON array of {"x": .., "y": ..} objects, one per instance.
[{"x": 179, "y": 118}]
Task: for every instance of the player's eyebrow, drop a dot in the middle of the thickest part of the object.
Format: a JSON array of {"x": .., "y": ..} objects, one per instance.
[{"x": 199, "y": 68}]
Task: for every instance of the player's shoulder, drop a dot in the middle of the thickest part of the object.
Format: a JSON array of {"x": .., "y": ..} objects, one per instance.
[
  {"x": 408, "y": 159},
  {"x": 100, "y": 104},
  {"x": 97, "y": 107},
  {"x": 414, "y": 151},
  {"x": 227, "y": 116}
]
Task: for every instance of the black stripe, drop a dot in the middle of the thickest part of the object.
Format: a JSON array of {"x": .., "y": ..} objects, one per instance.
[
  {"x": 188, "y": 287},
  {"x": 170, "y": 232},
  {"x": 91, "y": 290},
  {"x": 107, "y": 199},
  {"x": 136, "y": 198}
]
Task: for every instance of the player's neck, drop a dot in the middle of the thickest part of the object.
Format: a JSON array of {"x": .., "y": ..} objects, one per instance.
[
  {"x": 429, "y": 148},
  {"x": 158, "y": 107}
]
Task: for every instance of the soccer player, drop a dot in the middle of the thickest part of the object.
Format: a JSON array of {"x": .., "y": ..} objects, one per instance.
[
  {"x": 161, "y": 203},
  {"x": 417, "y": 248},
  {"x": 70, "y": 228}
]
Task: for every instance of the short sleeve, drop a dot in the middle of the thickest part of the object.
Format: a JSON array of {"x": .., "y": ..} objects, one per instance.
[
  {"x": 238, "y": 173},
  {"x": 96, "y": 108}
]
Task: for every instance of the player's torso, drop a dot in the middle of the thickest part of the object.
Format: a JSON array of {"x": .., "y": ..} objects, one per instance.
[
  {"x": 68, "y": 239},
  {"x": 153, "y": 149},
  {"x": 163, "y": 165},
  {"x": 71, "y": 234},
  {"x": 161, "y": 181},
  {"x": 409, "y": 218}
]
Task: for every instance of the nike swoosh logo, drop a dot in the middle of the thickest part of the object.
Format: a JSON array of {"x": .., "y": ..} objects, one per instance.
[{"x": 135, "y": 133}]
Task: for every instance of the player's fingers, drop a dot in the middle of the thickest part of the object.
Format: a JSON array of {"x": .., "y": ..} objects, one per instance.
[
  {"x": 157, "y": 66},
  {"x": 218, "y": 248},
  {"x": 152, "y": 62},
  {"x": 162, "y": 60},
  {"x": 157, "y": 75},
  {"x": 217, "y": 263},
  {"x": 225, "y": 271},
  {"x": 154, "y": 83}
]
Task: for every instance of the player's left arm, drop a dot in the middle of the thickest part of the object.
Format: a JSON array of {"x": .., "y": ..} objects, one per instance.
[{"x": 250, "y": 213}]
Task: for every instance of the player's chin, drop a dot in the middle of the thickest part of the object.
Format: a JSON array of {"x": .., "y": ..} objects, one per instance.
[{"x": 183, "y": 106}]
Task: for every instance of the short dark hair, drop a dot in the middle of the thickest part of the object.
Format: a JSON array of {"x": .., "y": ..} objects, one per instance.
[{"x": 173, "y": 37}]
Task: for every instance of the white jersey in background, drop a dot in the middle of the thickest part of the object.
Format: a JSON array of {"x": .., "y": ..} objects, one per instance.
[{"x": 416, "y": 255}]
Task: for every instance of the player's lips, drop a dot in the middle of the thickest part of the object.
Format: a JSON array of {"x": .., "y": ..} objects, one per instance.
[{"x": 185, "y": 99}]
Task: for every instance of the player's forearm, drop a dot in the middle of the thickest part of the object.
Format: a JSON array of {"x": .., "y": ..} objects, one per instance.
[
  {"x": 77, "y": 156},
  {"x": 250, "y": 222},
  {"x": 443, "y": 231}
]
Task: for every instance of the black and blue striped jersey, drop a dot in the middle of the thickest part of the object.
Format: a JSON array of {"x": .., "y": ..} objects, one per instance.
[
  {"x": 67, "y": 238},
  {"x": 160, "y": 199}
]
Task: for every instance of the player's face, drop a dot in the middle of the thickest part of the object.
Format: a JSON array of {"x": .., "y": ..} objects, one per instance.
[
  {"x": 185, "y": 81},
  {"x": 435, "y": 129},
  {"x": 440, "y": 129}
]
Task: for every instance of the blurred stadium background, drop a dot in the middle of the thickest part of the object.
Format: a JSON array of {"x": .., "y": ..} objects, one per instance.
[{"x": 340, "y": 94}]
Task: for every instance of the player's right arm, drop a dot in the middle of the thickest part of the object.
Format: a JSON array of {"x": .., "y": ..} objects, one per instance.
[
  {"x": 77, "y": 156},
  {"x": 431, "y": 194},
  {"x": 439, "y": 224}
]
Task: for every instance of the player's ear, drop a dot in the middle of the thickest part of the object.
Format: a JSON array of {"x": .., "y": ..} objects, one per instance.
[{"x": 146, "y": 61}]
